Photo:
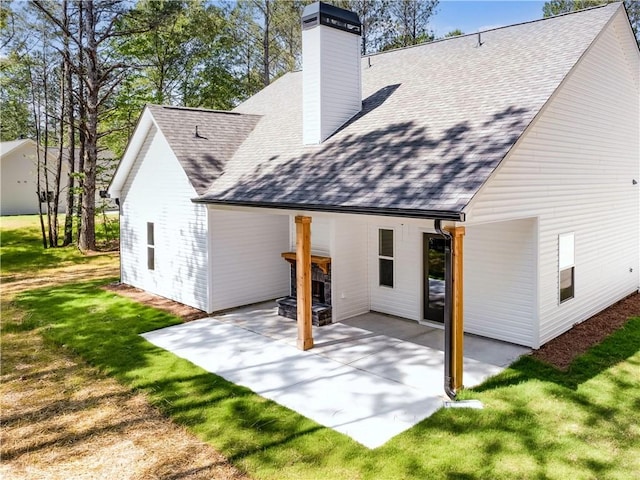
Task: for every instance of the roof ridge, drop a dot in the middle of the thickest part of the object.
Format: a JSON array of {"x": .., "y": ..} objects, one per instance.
[
  {"x": 444, "y": 39},
  {"x": 199, "y": 109}
]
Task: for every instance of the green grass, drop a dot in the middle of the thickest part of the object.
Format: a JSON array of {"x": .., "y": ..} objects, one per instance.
[
  {"x": 22, "y": 249},
  {"x": 537, "y": 423}
]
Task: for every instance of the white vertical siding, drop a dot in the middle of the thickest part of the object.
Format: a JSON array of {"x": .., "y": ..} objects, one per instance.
[
  {"x": 157, "y": 190},
  {"x": 246, "y": 265},
  {"x": 574, "y": 170},
  {"x": 500, "y": 281},
  {"x": 349, "y": 272},
  {"x": 404, "y": 299},
  {"x": 331, "y": 81}
]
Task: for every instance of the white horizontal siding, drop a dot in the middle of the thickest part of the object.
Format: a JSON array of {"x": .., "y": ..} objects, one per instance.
[
  {"x": 157, "y": 190},
  {"x": 246, "y": 262},
  {"x": 500, "y": 281},
  {"x": 321, "y": 233},
  {"x": 574, "y": 170},
  {"x": 349, "y": 272},
  {"x": 404, "y": 299}
]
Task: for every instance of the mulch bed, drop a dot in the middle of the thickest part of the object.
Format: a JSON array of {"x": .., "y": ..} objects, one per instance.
[
  {"x": 178, "y": 309},
  {"x": 559, "y": 352}
]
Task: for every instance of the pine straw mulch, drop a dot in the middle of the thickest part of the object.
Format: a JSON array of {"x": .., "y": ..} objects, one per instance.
[
  {"x": 561, "y": 351},
  {"x": 185, "y": 312}
]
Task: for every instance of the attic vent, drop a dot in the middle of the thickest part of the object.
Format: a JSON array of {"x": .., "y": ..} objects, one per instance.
[{"x": 309, "y": 22}]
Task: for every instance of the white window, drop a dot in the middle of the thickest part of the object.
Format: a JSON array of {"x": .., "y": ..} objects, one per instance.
[
  {"x": 566, "y": 266},
  {"x": 385, "y": 257},
  {"x": 151, "y": 247}
]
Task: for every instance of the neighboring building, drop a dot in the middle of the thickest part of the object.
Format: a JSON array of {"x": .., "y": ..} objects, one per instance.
[
  {"x": 19, "y": 177},
  {"x": 527, "y": 136},
  {"x": 19, "y": 173}
]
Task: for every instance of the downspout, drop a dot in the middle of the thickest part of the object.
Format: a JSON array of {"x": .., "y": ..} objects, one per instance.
[{"x": 448, "y": 310}]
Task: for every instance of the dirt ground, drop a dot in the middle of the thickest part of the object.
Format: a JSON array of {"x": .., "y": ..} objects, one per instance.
[{"x": 559, "y": 352}]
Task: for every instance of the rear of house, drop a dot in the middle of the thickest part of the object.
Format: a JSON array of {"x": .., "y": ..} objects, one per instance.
[{"x": 526, "y": 147}]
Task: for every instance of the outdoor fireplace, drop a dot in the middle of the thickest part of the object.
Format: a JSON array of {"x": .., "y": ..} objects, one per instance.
[
  {"x": 320, "y": 290},
  {"x": 317, "y": 291}
]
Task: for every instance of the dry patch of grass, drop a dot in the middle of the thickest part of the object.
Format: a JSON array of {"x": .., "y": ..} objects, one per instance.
[
  {"x": 62, "y": 419},
  {"x": 107, "y": 266}
]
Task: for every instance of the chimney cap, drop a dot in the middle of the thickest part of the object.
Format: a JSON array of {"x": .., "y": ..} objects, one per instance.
[{"x": 321, "y": 13}]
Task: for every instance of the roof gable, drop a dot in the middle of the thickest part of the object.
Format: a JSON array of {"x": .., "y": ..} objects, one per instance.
[
  {"x": 202, "y": 140},
  {"x": 7, "y": 147},
  {"x": 204, "y": 155},
  {"x": 436, "y": 121}
]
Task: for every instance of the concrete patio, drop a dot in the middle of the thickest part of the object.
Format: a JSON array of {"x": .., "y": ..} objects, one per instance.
[{"x": 370, "y": 377}]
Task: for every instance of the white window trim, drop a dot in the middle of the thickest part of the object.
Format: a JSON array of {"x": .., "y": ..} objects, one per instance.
[
  {"x": 384, "y": 257},
  {"x": 151, "y": 246},
  {"x": 566, "y": 261}
]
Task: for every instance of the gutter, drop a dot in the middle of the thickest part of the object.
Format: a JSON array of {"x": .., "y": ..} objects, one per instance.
[
  {"x": 448, "y": 312},
  {"x": 388, "y": 212}
]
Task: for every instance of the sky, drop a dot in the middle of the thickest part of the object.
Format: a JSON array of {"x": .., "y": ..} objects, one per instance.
[{"x": 473, "y": 15}]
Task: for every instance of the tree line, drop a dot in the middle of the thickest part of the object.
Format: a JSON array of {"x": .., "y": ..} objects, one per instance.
[{"x": 75, "y": 75}]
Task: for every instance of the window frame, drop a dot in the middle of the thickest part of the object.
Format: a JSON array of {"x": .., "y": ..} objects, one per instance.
[
  {"x": 386, "y": 258},
  {"x": 566, "y": 263},
  {"x": 46, "y": 196},
  {"x": 151, "y": 246}
]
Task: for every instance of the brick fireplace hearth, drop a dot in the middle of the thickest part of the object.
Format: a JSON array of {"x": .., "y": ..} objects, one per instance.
[{"x": 320, "y": 290}]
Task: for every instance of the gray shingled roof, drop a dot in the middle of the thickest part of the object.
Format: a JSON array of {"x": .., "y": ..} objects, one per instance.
[
  {"x": 202, "y": 157},
  {"x": 436, "y": 121}
]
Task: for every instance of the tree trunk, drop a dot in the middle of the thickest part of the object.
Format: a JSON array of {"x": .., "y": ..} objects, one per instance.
[
  {"x": 58, "y": 173},
  {"x": 71, "y": 133},
  {"x": 266, "y": 74},
  {"x": 87, "y": 239},
  {"x": 36, "y": 121},
  {"x": 45, "y": 162}
]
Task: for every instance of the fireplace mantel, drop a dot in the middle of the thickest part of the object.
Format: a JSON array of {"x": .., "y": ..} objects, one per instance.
[{"x": 322, "y": 262}]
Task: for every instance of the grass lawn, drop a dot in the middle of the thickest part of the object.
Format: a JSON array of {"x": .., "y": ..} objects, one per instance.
[
  {"x": 61, "y": 418},
  {"x": 537, "y": 422},
  {"x": 22, "y": 251}
]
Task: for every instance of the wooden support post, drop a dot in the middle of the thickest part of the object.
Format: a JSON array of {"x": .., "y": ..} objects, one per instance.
[
  {"x": 457, "y": 234},
  {"x": 303, "y": 281}
]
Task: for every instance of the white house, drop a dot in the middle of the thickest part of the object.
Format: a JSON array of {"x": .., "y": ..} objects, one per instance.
[
  {"x": 19, "y": 174},
  {"x": 20, "y": 177},
  {"x": 523, "y": 140}
]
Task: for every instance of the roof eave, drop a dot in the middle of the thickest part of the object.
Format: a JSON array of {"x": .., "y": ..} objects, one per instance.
[{"x": 450, "y": 215}]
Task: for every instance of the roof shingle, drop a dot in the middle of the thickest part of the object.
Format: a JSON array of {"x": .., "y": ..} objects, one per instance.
[
  {"x": 437, "y": 120},
  {"x": 203, "y": 157}
]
